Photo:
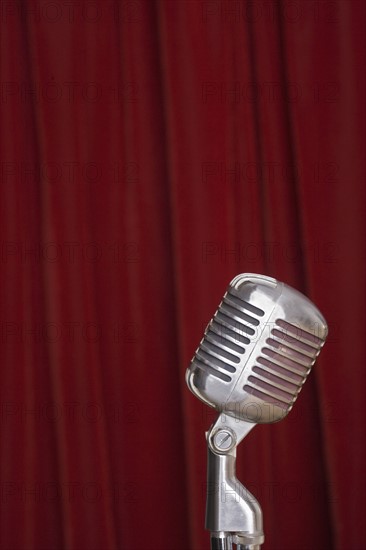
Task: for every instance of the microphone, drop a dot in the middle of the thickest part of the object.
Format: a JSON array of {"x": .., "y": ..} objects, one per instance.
[{"x": 251, "y": 364}]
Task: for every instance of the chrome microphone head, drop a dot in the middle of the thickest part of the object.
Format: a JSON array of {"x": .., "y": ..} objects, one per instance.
[{"x": 257, "y": 350}]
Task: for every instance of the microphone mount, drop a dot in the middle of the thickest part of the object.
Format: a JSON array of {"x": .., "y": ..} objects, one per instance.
[{"x": 233, "y": 515}]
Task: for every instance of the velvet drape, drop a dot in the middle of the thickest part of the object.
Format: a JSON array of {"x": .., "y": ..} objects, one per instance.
[{"x": 150, "y": 151}]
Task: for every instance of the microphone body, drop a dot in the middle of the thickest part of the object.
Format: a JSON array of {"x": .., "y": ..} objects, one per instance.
[{"x": 251, "y": 364}]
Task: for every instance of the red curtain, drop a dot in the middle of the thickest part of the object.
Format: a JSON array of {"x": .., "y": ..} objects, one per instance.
[{"x": 150, "y": 151}]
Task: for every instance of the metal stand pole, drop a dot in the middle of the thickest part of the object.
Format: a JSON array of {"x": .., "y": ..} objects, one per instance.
[{"x": 221, "y": 543}]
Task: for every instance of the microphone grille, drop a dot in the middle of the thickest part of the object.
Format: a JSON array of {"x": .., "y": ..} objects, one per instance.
[
  {"x": 229, "y": 332},
  {"x": 283, "y": 364},
  {"x": 258, "y": 348}
]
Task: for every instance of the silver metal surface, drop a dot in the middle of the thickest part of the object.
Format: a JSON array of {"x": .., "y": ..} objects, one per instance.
[
  {"x": 223, "y": 440},
  {"x": 251, "y": 364},
  {"x": 231, "y": 508},
  {"x": 221, "y": 541},
  {"x": 257, "y": 350}
]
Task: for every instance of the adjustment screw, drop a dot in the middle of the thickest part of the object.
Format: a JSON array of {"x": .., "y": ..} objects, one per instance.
[{"x": 223, "y": 440}]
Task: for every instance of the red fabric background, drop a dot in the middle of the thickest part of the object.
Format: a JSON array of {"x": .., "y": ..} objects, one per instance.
[{"x": 150, "y": 151}]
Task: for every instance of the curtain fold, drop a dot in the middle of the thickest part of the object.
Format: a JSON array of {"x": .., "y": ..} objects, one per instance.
[{"x": 151, "y": 151}]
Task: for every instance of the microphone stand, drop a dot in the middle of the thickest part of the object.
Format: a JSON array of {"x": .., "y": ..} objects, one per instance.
[{"x": 233, "y": 515}]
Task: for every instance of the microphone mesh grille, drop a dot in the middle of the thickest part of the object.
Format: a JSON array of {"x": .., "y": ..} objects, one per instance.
[
  {"x": 231, "y": 329},
  {"x": 284, "y": 364}
]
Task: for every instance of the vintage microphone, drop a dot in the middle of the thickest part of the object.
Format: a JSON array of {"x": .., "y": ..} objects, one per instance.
[{"x": 251, "y": 364}]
